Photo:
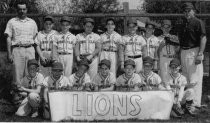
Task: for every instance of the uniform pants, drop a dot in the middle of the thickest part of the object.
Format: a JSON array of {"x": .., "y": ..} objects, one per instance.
[
  {"x": 164, "y": 68},
  {"x": 194, "y": 73},
  {"x": 67, "y": 61},
  {"x": 21, "y": 56},
  {"x": 188, "y": 95},
  {"x": 28, "y": 104},
  {"x": 93, "y": 68},
  {"x": 112, "y": 56},
  {"x": 46, "y": 70},
  {"x": 138, "y": 62}
]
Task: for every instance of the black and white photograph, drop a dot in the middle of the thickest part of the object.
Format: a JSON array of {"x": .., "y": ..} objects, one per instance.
[{"x": 105, "y": 61}]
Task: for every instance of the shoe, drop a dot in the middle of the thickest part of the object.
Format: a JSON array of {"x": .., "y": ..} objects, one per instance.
[
  {"x": 35, "y": 114},
  {"x": 175, "y": 115},
  {"x": 190, "y": 109}
]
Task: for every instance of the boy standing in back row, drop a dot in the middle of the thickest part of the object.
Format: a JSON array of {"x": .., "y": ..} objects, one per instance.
[{"x": 65, "y": 43}]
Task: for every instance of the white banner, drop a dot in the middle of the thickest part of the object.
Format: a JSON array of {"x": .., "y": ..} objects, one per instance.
[{"x": 114, "y": 105}]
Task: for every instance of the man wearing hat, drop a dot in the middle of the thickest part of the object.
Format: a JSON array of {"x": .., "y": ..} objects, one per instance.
[
  {"x": 30, "y": 89},
  {"x": 44, "y": 41},
  {"x": 80, "y": 79},
  {"x": 88, "y": 45},
  {"x": 183, "y": 94},
  {"x": 133, "y": 46},
  {"x": 111, "y": 44},
  {"x": 55, "y": 81},
  {"x": 152, "y": 80},
  {"x": 193, "y": 42},
  {"x": 168, "y": 49},
  {"x": 65, "y": 43},
  {"x": 20, "y": 32},
  {"x": 129, "y": 80},
  {"x": 105, "y": 80}
]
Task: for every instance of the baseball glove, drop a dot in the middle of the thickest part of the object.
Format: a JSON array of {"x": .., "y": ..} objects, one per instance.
[
  {"x": 47, "y": 62},
  {"x": 178, "y": 109}
]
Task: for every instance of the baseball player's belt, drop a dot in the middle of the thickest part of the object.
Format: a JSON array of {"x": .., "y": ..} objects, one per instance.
[
  {"x": 134, "y": 57},
  {"x": 46, "y": 50},
  {"x": 63, "y": 53},
  {"x": 110, "y": 50},
  {"x": 169, "y": 56},
  {"x": 187, "y": 48},
  {"x": 22, "y": 45}
]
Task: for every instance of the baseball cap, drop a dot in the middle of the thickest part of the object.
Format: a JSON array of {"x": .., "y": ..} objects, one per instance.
[
  {"x": 188, "y": 5},
  {"x": 57, "y": 66},
  {"x": 132, "y": 21},
  {"x": 48, "y": 17},
  {"x": 148, "y": 59},
  {"x": 105, "y": 62},
  {"x": 175, "y": 61},
  {"x": 32, "y": 62},
  {"x": 65, "y": 18},
  {"x": 84, "y": 62},
  {"x": 166, "y": 22},
  {"x": 89, "y": 20},
  {"x": 129, "y": 62}
]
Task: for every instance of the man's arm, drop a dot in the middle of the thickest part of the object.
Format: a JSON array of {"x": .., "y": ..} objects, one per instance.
[
  {"x": 202, "y": 44},
  {"x": 9, "y": 49}
]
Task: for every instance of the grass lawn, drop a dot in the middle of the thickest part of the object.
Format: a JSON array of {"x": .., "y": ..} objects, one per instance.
[{"x": 7, "y": 111}]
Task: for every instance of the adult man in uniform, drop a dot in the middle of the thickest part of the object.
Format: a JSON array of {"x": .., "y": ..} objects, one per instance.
[
  {"x": 20, "y": 32},
  {"x": 193, "y": 42}
]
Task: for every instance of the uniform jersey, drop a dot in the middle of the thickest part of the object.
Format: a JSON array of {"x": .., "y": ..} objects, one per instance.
[
  {"x": 179, "y": 81},
  {"x": 152, "y": 44},
  {"x": 152, "y": 79},
  {"x": 87, "y": 42},
  {"x": 104, "y": 81},
  {"x": 133, "y": 44},
  {"x": 122, "y": 80},
  {"x": 168, "y": 50},
  {"x": 21, "y": 31},
  {"x": 50, "y": 82},
  {"x": 65, "y": 42},
  {"x": 81, "y": 81},
  {"x": 110, "y": 42},
  {"x": 45, "y": 40},
  {"x": 32, "y": 83}
]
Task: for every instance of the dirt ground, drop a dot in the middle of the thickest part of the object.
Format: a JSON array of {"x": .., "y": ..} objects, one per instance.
[{"x": 7, "y": 111}]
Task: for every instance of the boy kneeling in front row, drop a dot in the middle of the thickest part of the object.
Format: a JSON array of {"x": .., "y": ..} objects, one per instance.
[
  {"x": 129, "y": 81},
  {"x": 30, "y": 89},
  {"x": 56, "y": 81},
  {"x": 152, "y": 80},
  {"x": 183, "y": 93},
  {"x": 80, "y": 79},
  {"x": 104, "y": 80}
]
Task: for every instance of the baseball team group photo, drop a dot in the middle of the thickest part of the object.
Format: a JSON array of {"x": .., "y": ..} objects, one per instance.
[{"x": 67, "y": 67}]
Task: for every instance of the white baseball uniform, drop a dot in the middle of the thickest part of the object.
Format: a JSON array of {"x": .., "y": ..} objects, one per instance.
[
  {"x": 33, "y": 100},
  {"x": 104, "y": 82},
  {"x": 50, "y": 82},
  {"x": 166, "y": 53},
  {"x": 87, "y": 47},
  {"x": 152, "y": 43},
  {"x": 123, "y": 80},
  {"x": 133, "y": 49},
  {"x": 45, "y": 42},
  {"x": 110, "y": 47},
  {"x": 65, "y": 45},
  {"x": 180, "y": 94},
  {"x": 79, "y": 80},
  {"x": 152, "y": 80}
]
